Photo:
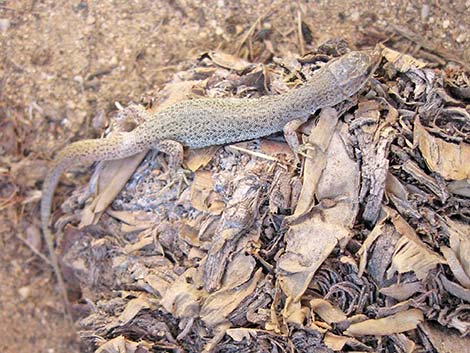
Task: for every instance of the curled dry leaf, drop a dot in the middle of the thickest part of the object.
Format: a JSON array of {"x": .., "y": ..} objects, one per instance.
[
  {"x": 228, "y": 61},
  {"x": 327, "y": 311},
  {"x": 133, "y": 307},
  {"x": 331, "y": 177},
  {"x": 238, "y": 334},
  {"x": 459, "y": 250},
  {"x": 397, "y": 323},
  {"x": 455, "y": 289},
  {"x": 443, "y": 339},
  {"x": 120, "y": 344},
  {"x": 448, "y": 159},
  {"x": 402, "y": 62},
  {"x": 113, "y": 176},
  {"x": 203, "y": 197},
  {"x": 220, "y": 304},
  {"x": 199, "y": 158},
  {"x": 181, "y": 298},
  {"x": 411, "y": 254}
]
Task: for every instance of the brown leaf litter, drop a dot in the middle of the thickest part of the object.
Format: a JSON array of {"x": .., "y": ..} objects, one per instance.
[{"x": 365, "y": 248}]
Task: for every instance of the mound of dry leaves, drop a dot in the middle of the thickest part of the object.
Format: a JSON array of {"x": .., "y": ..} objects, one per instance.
[{"x": 363, "y": 247}]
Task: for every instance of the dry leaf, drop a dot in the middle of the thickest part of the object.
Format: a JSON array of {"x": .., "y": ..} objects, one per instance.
[
  {"x": 455, "y": 289},
  {"x": 460, "y": 187},
  {"x": 400, "y": 322},
  {"x": 200, "y": 157},
  {"x": 458, "y": 255},
  {"x": 411, "y": 254},
  {"x": 402, "y": 291},
  {"x": 201, "y": 188},
  {"x": 327, "y": 311},
  {"x": 337, "y": 343},
  {"x": 445, "y": 340},
  {"x": 238, "y": 334},
  {"x": 275, "y": 148},
  {"x": 181, "y": 298},
  {"x": 402, "y": 62},
  {"x": 220, "y": 304},
  {"x": 448, "y": 159},
  {"x": 113, "y": 176},
  {"x": 133, "y": 307},
  {"x": 229, "y": 61},
  {"x": 120, "y": 344},
  {"x": 319, "y": 227}
]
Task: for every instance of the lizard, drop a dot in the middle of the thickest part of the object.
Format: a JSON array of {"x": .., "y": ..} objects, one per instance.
[{"x": 203, "y": 122}]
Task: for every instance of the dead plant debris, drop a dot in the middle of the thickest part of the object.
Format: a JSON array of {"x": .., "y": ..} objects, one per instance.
[{"x": 366, "y": 247}]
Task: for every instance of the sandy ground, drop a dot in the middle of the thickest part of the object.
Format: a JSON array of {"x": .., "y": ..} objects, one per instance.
[{"x": 64, "y": 64}]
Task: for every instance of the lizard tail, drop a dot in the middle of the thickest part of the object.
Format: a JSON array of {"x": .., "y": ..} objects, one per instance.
[
  {"x": 78, "y": 153},
  {"x": 48, "y": 189}
]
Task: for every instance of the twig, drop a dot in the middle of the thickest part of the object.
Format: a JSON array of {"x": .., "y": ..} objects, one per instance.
[
  {"x": 300, "y": 34},
  {"x": 249, "y": 33},
  {"x": 33, "y": 249},
  {"x": 447, "y": 54}
]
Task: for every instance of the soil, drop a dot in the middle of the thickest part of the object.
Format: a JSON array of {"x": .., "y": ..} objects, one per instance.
[{"x": 65, "y": 64}]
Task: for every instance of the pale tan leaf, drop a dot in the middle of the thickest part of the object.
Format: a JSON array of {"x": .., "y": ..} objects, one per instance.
[
  {"x": 199, "y": 158},
  {"x": 133, "y": 307},
  {"x": 455, "y": 289},
  {"x": 445, "y": 340},
  {"x": 295, "y": 313},
  {"x": 315, "y": 163},
  {"x": 203, "y": 197},
  {"x": 311, "y": 239},
  {"x": 448, "y": 159},
  {"x": 402, "y": 291},
  {"x": 402, "y": 62},
  {"x": 337, "y": 343},
  {"x": 229, "y": 61},
  {"x": 220, "y": 304},
  {"x": 456, "y": 266},
  {"x": 113, "y": 176},
  {"x": 459, "y": 239},
  {"x": 411, "y": 254},
  {"x": 400, "y": 322},
  {"x": 181, "y": 298},
  {"x": 119, "y": 344},
  {"x": 238, "y": 334},
  {"x": 327, "y": 311}
]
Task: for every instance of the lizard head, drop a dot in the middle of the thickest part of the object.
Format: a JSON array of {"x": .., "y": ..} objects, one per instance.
[{"x": 352, "y": 70}]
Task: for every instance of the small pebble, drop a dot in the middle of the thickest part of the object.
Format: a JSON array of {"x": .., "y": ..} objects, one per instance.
[
  {"x": 355, "y": 16},
  {"x": 461, "y": 38},
  {"x": 424, "y": 13},
  {"x": 24, "y": 292},
  {"x": 445, "y": 24},
  {"x": 4, "y": 24}
]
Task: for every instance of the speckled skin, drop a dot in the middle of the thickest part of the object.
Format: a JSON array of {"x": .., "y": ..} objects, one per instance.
[{"x": 205, "y": 122}]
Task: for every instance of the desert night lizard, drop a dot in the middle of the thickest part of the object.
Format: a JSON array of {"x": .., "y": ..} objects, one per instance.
[{"x": 212, "y": 121}]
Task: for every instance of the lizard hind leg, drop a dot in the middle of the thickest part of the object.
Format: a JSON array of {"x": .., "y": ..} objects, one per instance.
[{"x": 175, "y": 152}]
